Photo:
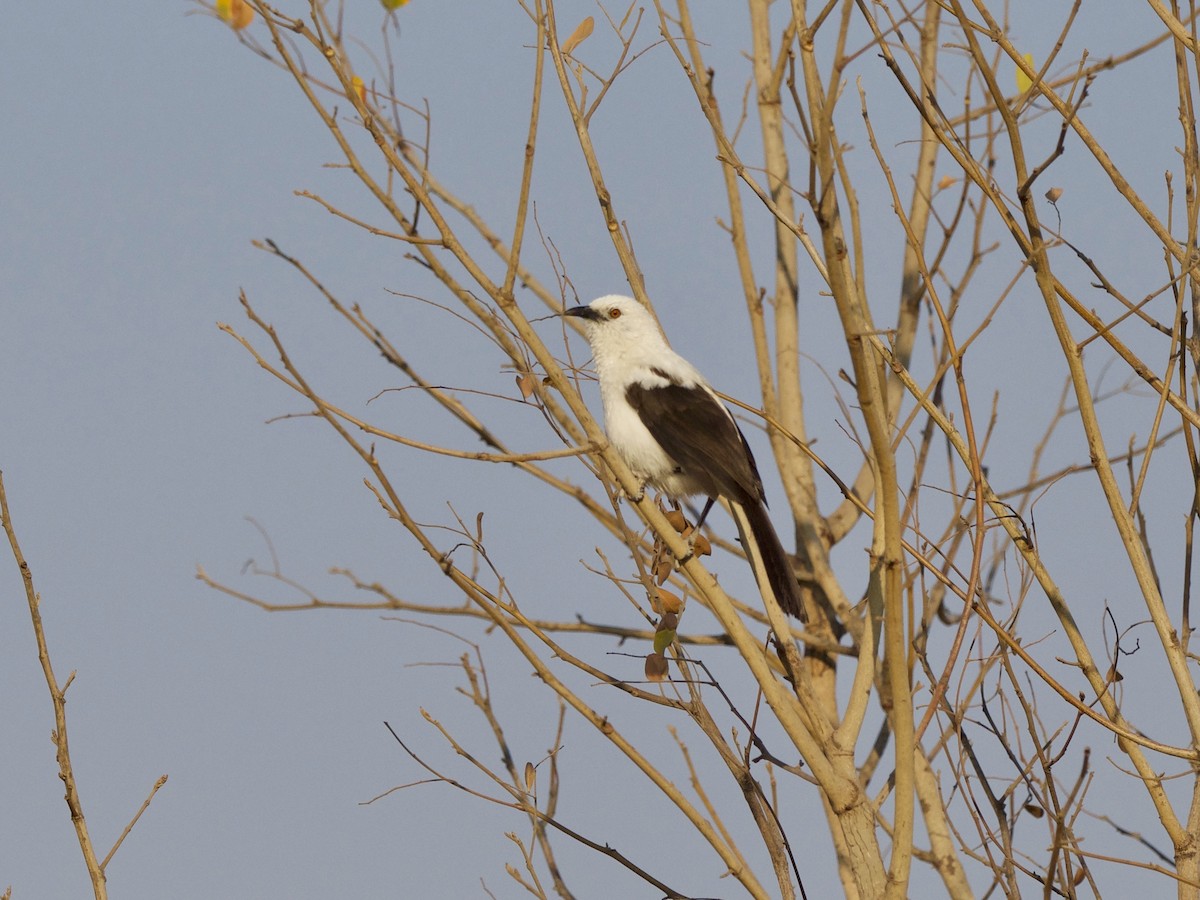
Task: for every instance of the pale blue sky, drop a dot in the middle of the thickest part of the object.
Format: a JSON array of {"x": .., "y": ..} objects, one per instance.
[{"x": 143, "y": 149}]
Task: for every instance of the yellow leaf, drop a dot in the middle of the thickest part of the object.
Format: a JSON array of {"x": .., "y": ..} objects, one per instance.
[
  {"x": 237, "y": 13},
  {"x": 359, "y": 88},
  {"x": 579, "y": 35},
  {"x": 1024, "y": 82},
  {"x": 393, "y": 4}
]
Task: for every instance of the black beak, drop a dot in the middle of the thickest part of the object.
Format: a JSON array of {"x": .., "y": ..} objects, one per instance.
[{"x": 583, "y": 312}]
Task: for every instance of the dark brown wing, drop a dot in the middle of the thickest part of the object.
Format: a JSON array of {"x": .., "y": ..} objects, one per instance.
[{"x": 698, "y": 433}]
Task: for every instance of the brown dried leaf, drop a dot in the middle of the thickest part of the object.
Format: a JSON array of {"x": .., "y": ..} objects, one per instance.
[
  {"x": 582, "y": 32},
  {"x": 666, "y": 602},
  {"x": 677, "y": 519},
  {"x": 656, "y": 667},
  {"x": 701, "y": 546},
  {"x": 1053, "y": 194},
  {"x": 662, "y": 569},
  {"x": 525, "y": 385},
  {"x": 1034, "y": 810}
]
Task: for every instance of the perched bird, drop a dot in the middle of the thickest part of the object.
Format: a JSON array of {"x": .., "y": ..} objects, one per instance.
[{"x": 674, "y": 433}]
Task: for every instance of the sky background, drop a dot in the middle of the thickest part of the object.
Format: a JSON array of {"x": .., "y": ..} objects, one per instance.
[{"x": 143, "y": 150}]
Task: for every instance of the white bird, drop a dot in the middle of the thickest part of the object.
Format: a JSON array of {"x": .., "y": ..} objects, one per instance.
[{"x": 674, "y": 433}]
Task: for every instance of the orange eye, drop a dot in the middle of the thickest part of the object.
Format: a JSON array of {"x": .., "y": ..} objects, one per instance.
[{"x": 614, "y": 313}]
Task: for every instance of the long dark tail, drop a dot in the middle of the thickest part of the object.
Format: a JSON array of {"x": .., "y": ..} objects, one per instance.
[{"x": 772, "y": 570}]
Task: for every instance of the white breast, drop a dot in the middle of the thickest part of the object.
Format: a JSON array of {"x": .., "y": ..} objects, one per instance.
[{"x": 638, "y": 447}]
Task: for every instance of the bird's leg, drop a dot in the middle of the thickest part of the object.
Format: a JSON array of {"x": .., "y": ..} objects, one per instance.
[
  {"x": 704, "y": 514},
  {"x": 634, "y": 498}
]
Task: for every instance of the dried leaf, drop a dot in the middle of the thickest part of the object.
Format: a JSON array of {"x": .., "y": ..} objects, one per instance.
[
  {"x": 360, "y": 89},
  {"x": 666, "y": 602},
  {"x": 1077, "y": 878},
  {"x": 525, "y": 385},
  {"x": 1053, "y": 194},
  {"x": 656, "y": 667},
  {"x": 393, "y": 4},
  {"x": 579, "y": 35},
  {"x": 662, "y": 570},
  {"x": 1034, "y": 810},
  {"x": 946, "y": 181},
  {"x": 677, "y": 519},
  {"x": 701, "y": 546},
  {"x": 530, "y": 777}
]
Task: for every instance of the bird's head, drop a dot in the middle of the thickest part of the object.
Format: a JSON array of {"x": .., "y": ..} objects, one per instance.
[{"x": 616, "y": 321}]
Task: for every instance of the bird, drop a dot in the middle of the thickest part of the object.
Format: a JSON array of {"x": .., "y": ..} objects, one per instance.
[{"x": 675, "y": 435}]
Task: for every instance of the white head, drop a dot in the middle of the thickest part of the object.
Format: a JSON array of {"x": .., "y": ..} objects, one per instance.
[
  {"x": 618, "y": 326},
  {"x": 627, "y": 344}
]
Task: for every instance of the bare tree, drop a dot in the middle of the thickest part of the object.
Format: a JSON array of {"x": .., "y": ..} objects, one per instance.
[
  {"x": 941, "y": 707},
  {"x": 94, "y": 864}
]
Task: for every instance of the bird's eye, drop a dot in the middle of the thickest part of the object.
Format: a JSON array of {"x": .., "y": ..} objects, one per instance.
[{"x": 614, "y": 313}]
